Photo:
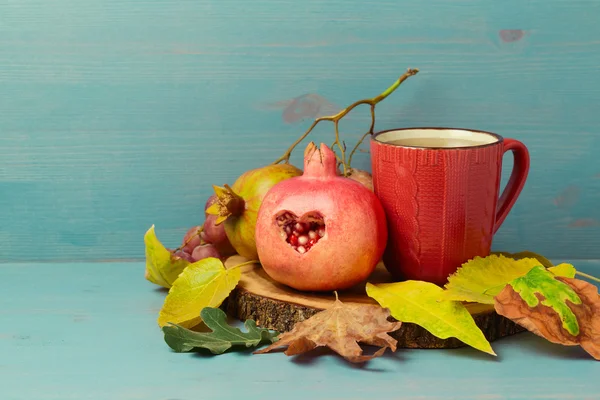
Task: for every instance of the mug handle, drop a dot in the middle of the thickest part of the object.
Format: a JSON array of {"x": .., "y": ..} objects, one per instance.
[{"x": 516, "y": 181}]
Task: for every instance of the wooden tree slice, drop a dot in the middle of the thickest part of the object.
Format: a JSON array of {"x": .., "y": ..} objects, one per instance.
[{"x": 279, "y": 307}]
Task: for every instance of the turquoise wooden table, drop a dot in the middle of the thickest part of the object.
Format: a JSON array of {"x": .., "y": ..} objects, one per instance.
[{"x": 88, "y": 331}]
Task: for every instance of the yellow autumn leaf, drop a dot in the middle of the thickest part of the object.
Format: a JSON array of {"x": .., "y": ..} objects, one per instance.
[
  {"x": 205, "y": 283},
  {"x": 480, "y": 279},
  {"x": 417, "y": 302},
  {"x": 526, "y": 254},
  {"x": 564, "y": 269},
  {"x": 162, "y": 267}
]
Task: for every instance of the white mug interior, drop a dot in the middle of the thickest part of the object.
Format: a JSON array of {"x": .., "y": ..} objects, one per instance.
[{"x": 436, "y": 138}]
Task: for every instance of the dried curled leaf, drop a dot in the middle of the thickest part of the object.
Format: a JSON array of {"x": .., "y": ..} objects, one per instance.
[
  {"x": 417, "y": 302},
  {"x": 341, "y": 327},
  {"x": 480, "y": 279},
  {"x": 205, "y": 283},
  {"x": 562, "y": 310}
]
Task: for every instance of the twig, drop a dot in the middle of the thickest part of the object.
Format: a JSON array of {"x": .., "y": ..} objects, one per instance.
[
  {"x": 593, "y": 278},
  {"x": 337, "y": 117}
]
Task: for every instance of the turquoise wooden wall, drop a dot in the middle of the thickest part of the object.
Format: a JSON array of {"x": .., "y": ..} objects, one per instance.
[{"x": 119, "y": 114}]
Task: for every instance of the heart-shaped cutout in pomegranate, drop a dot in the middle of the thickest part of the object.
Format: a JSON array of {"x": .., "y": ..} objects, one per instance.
[{"x": 301, "y": 233}]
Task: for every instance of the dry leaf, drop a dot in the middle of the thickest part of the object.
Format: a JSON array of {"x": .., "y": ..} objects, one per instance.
[
  {"x": 579, "y": 324},
  {"x": 340, "y": 328}
]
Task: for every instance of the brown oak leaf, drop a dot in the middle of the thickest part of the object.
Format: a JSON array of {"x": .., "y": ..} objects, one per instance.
[
  {"x": 340, "y": 328},
  {"x": 545, "y": 322}
]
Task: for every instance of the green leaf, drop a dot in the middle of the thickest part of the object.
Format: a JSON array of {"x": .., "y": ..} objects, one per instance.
[
  {"x": 417, "y": 302},
  {"x": 555, "y": 293},
  {"x": 205, "y": 283},
  {"x": 222, "y": 336},
  {"x": 162, "y": 268}
]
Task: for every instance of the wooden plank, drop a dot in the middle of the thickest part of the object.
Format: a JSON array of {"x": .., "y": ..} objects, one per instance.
[
  {"x": 119, "y": 114},
  {"x": 89, "y": 330}
]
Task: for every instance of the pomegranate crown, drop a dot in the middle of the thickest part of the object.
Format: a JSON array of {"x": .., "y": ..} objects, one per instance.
[{"x": 319, "y": 162}]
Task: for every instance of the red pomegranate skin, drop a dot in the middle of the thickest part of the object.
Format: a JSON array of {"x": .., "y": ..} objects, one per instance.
[{"x": 355, "y": 227}]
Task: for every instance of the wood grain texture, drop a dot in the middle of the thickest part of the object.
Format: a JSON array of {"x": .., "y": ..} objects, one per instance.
[
  {"x": 119, "y": 114},
  {"x": 276, "y": 306},
  {"x": 89, "y": 331}
]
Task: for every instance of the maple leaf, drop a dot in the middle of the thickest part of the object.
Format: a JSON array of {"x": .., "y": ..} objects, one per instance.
[
  {"x": 562, "y": 310},
  {"x": 162, "y": 267},
  {"x": 417, "y": 302},
  {"x": 340, "y": 328},
  {"x": 221, "y": 338},
  {"x": 480, "y": 279},
  {"x": 205, "y": 283}
]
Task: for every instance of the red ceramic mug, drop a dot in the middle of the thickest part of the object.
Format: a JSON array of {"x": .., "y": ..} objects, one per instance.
[{"x": 439, "y": 188}]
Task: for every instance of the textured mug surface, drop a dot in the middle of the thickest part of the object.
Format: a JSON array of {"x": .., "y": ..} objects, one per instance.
[{"x": 439, "y": 188}]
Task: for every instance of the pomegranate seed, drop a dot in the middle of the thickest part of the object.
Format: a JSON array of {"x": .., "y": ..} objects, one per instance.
[{"x": 301, "y": 236}]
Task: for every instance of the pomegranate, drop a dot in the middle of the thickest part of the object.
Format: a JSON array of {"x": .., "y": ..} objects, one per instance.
[
  {"x": 215, "y": 235},
  {"x": 236, "y": 207},
  {"x": 362, "y": 177},
  {"x": 320, "y": 231}
]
